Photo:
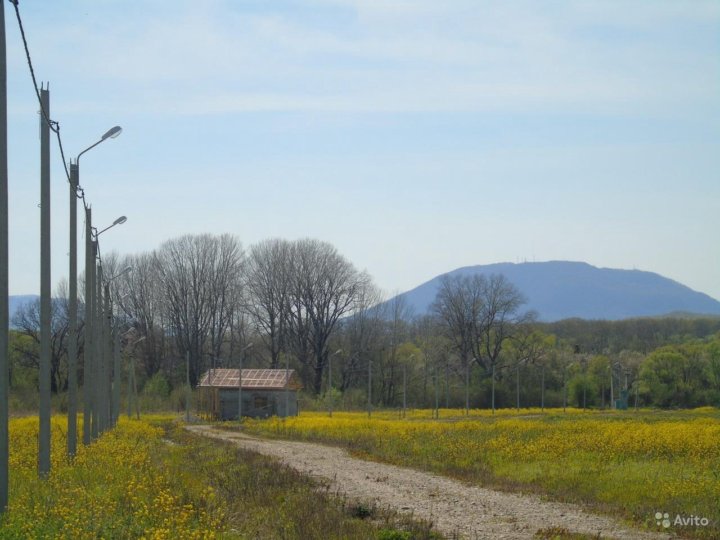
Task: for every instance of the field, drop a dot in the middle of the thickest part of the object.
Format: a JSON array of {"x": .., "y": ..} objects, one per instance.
[
  {"x": 151, "y": 479},
  {"x": 625, "y": 463}
]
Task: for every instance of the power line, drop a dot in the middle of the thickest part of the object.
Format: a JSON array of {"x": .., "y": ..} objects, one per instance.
[{"x": 54, "y": 125}]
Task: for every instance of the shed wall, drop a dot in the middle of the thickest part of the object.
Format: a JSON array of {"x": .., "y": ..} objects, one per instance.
[{"x": 257, "y": 403}]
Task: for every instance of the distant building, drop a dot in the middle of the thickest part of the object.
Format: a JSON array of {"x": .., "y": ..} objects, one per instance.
[{"x": 265, "y": 392}]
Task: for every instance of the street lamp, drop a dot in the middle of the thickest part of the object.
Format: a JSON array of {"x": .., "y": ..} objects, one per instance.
[
  {"x": 120, "y": 273},
  {"x": 72, "y": 305},
  {"x": 102, "y": 403},
  {"x": 118, "y": 221},
  {"x": 115, "y": 410}
]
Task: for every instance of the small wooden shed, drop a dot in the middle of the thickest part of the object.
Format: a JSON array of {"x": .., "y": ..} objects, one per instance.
[{"x": 265, "y": 392}]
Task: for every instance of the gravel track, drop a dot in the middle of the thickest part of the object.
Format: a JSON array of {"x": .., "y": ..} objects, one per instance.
[{"x": 455, "y": 508}]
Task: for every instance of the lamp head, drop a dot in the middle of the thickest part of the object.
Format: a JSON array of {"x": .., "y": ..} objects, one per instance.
[
  {"x": 112, "y": 133},
  {"x": 120, "y": 220}
]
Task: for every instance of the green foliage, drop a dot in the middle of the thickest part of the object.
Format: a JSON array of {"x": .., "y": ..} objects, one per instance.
[
  {"x": 640, "y": 335},
  {"x": 686, "y": 375},
  {"x": 583, "y": 389},
  {"x": 155, "y": 394},
  {"x": 23, "y": 353},
  {"x": 157, "y": 386}
]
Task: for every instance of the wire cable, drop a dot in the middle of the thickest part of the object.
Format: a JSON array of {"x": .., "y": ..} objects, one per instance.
[{"x": 52, "y": 124}]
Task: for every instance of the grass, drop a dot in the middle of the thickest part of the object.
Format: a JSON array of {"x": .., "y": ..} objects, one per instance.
[
  {"x": 152, "y": 479},
  {"x": 624, "y": 463}
]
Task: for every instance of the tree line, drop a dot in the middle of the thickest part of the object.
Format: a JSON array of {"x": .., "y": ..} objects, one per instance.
[{"x": 207, "y": 300}]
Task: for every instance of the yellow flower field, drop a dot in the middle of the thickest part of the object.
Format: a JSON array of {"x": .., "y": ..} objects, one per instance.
[
  {"x": 115, "y": 488},
  {"x": 635, "y": 463}
]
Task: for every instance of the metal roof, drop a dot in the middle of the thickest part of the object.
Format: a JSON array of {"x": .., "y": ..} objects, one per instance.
[{"x": 251, "y": 378}]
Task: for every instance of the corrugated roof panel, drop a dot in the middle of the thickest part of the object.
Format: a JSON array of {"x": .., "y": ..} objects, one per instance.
[{"x": 251, "y": 378}]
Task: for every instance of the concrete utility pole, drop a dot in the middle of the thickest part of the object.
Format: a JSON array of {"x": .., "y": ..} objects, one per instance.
[
  {"x": 107, "y": 348},
  {"x": 369, "y": 405},
  {"x": 564, "y": 387},
  {"x": 287, "y": 386},
  {"x": 116, "y": 376},
  {"x": 72, "y": 318},
  {"x": 187, "y": 384},
  {"x": 330, "y": 394},
  {"x": 467, "y": 387},
  {"x": 242, "y": 353},
  {"x": 97, "y": 357},
  {"x": 4, "y": 291},
  {"x": 435, "y": 384},
  {"x": 45, "y": 299},
  {"x": 88, "y": 353},
  {"x": 132, "y": 386},
  {"x": 493, "y": 388},
  {"x": 239, "y": 390},
  {"x": 404, "y": 411},
  {"x": 131, "y": 368}
]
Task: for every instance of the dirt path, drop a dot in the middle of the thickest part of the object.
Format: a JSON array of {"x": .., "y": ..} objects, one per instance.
[{"x": 454, "y": 507}]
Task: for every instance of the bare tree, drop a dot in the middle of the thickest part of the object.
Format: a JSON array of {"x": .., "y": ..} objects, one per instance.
[
  {"x": 27, "y": 321},
  {"x": 479, "y": 314},
  {"x": 398, "y": 315},
  {"x": 226, "y": 291},
  {"x": 460, "y": 305},
  {"x": 140, "y": 298},
  {"x": 268, "y": 284},
  {"x": 360, "y": 333},
  {"x": 500, "y": 319},
  {"x": 198, "y": 275},
  {"x": 325, "y": 287}
]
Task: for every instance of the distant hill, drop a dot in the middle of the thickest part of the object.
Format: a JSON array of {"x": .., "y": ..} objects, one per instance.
[
  {"x": 20, "y": 300},
  {"x": 561, "y": 289}
]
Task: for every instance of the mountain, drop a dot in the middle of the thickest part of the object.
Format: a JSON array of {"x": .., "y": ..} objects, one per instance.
[{"x": 562, "y": 289}]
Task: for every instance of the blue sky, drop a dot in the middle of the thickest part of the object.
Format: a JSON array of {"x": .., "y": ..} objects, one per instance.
[{"x": 415, "y": 136}]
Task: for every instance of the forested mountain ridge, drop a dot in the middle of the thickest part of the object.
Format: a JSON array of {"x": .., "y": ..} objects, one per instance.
[{"x": 559, "y": 290}]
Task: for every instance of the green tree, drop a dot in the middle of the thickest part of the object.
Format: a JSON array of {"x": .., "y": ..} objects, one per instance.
[{"x": 663, "y": 378}]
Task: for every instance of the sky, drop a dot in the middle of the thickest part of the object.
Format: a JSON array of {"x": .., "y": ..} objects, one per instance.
[{"x": 415, "y": 136}]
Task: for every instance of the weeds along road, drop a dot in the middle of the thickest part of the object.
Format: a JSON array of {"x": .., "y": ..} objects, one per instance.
[{"x": 455, "y": 508}]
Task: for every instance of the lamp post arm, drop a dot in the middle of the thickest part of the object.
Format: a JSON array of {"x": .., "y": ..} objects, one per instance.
[{"x": 77, "y": 159}]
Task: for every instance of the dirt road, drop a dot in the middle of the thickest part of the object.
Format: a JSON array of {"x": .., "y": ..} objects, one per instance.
[{"x": 454, "y": 507}]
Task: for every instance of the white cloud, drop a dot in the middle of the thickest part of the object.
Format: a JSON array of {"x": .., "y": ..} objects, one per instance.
[{"x": 397, "y": 56}]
